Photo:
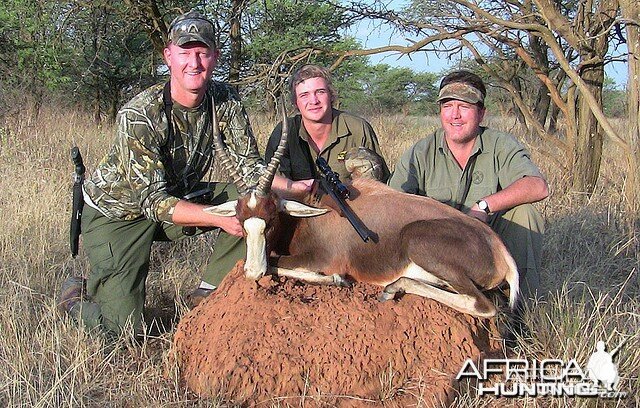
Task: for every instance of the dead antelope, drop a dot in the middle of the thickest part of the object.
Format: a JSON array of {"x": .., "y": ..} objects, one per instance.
[{"x": 421, "y": 246}]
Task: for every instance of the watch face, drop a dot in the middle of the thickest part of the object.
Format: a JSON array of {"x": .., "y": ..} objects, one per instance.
[{"x": 483, "y": 205}]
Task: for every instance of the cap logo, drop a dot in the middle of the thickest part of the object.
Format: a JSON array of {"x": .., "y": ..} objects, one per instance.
[{"x": 191, "y": 29}]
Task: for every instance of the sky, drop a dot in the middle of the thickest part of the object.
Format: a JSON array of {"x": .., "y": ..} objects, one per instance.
[{"x": 371, "y": 36}]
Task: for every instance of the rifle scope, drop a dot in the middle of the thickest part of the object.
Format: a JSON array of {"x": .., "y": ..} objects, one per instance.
[{"x": 332, "y": 178}]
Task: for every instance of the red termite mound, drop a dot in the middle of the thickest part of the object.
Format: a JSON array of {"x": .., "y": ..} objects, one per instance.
[{"x": 285, "y": 342}]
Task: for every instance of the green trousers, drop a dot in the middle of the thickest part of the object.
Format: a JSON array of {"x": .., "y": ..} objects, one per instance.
[
  {"x": 119, "y": 254},
  {"x": 521, "y": 229}
]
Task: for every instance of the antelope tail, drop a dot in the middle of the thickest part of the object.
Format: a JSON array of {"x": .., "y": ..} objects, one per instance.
[{"x": 513, "y": 279}]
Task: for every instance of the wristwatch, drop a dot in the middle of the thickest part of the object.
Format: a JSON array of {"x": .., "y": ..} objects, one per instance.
[{"x": 484, "y": 206}]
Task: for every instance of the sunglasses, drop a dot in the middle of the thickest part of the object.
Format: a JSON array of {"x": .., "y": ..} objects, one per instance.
[{"x": 192, "y": 25}]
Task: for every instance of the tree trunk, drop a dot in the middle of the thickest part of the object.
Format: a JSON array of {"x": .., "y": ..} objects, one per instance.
[
  {"x": 38, "y": 96},
  {"x": 236, "y": 41},
  {"x": 631, "y": 12},
  {"x": 543, "y": 98},
  {"x": 589, "y": 138},
  {"x": 97, "y": 118},
  {"x": 595, "y": 24},
  {"x": 542, "y": 103},
  {"x": 271, "y": 100},
  {"x": 559, "y": 78},
  {"x": 516, "y": 109},
  {"x": 554, "y": 112}
]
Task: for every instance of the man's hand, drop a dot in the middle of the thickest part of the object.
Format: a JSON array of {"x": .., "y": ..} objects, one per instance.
[
  {"x": 300, "y": 186},
  {"x": 292, "y": 189},
  {"x": 475, "y": 212},
  {"x": 231, "y": 225},
  {"x": 192, "y": 214}
]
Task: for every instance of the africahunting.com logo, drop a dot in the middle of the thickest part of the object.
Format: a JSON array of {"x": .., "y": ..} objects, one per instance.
[{"x": 548, "y": 377}]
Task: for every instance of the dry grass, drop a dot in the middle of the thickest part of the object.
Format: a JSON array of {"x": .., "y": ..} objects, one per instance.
[{"x": 591, "y": 262}]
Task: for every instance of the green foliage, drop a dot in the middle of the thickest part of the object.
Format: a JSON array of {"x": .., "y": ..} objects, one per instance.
[
  {"x": 279, "y": 25},
  {"x": 386, "y": 89},
  {"x": 281, "y": 31},
  {"x": 30, "y": 28},
  {"x": 614, "y": 100},
  {"x": 112, "y": 57},
  {"x": 30, "y": 61},
  {"x": 78, "y": 52}
]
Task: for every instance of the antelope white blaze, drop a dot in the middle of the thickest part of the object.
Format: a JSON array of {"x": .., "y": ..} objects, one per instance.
[
  {"x": 256, "y": 264},
  {"x": 253, "y": 201}
]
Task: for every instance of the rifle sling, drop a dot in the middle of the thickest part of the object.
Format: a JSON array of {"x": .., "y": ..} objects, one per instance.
[{"x": 168, "y": 105}]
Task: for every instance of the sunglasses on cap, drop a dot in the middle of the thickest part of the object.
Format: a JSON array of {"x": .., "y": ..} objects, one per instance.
[{"x": 192, "y": 27}]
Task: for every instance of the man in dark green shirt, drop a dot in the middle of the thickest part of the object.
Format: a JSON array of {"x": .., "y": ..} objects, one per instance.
[
  {"x": 482, "y": 172},
  {"x": 320, "y": 130}
]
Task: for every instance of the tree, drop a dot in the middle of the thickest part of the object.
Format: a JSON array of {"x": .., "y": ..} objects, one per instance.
[
  {"x": 113, "y": 57},
  {"x": 392, "y": 89},
  {"x": 630, "y": 10},
  {"x": 31, "y": 59},
  {"x": 281, "y": 35}
]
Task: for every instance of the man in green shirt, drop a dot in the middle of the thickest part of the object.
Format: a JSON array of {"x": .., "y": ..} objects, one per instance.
[
  {"x": 482, "y": 172},
  {"x": 162, "y": 151},
  {"x": 347, "y": 142}
]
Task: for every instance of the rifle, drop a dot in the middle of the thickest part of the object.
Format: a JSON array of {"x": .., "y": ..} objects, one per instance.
[
  {"x": 331, "y": 184},
  {"x": 77, "y": 202}
]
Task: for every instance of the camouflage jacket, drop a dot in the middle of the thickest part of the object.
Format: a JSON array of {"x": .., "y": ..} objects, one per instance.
[{"x": 145, "y": 172}]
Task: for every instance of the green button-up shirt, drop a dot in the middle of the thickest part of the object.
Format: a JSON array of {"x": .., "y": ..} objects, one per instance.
[
  {"x": 347, "y": 132},
  {"x": 428, "y": 168}
]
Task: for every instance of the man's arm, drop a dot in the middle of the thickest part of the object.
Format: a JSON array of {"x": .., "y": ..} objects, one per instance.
[
  {"x": 282, "y": 182},
  {"x": 522, "y": 178},
  {"x": 191, "y": 214},
  {"x": 404, "y": 176},
  {"x": 138, "y": 146},
  {"x": 528, "y": 189}
]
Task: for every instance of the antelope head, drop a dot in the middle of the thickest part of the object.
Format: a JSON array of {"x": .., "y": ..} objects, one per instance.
[{"x": 257, "y": 207}]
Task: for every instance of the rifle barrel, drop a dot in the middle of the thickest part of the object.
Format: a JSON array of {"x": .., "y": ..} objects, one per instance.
[{"x": 355, "y": 222}]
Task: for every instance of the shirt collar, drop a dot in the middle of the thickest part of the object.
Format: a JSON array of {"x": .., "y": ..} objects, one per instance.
[
  {"x": 478, "y": 146},
  {"x": 339, "y": 129}
]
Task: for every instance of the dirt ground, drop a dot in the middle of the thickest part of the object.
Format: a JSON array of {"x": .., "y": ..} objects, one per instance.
[{"x": 281, "y": 342}]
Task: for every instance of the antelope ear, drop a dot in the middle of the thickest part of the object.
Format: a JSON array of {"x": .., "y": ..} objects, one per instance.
[
  {"x": 296, "y": 209},
  {"x": 227, "y": 209}
]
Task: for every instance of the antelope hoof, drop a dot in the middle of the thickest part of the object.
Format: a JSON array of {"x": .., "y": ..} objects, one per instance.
[
  {"x": 338, "y": 280},
  {"x": 384, "y": 296}
]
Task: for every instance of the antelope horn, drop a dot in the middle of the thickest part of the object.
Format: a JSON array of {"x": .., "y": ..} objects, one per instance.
[
  {"x": 221, "y": 152},
  {"x": 264, "y": 183}
]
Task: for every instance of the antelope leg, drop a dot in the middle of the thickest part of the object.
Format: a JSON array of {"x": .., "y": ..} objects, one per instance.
[
  {"x": 461, "y": 302},
  {"x": 310, "y": 276}
]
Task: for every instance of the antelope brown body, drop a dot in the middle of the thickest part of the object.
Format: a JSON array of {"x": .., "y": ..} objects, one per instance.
[{"x": 421, "y": 246}]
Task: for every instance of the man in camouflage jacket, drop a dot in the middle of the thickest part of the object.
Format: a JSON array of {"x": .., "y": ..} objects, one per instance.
[{"x": 160, "y": 154}]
